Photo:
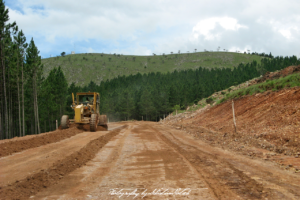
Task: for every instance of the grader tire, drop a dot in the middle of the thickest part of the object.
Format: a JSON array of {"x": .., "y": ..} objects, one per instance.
[
  {"x": 64, "y": 122},
  {"x": 94, "y": 122},
  {"x": 102, "y": 120}
]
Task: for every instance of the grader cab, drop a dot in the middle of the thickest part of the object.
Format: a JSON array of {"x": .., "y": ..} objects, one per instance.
[{"x": 86, "y": 107}]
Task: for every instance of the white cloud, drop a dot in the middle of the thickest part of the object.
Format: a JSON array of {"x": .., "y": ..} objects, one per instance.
[
  {"x": 144, "y": 27},
  {"x": 285, "y": 33},
  {"x": 204, "y": 27}
]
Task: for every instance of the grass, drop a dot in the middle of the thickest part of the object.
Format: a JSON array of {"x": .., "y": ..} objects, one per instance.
[
  {"x": 195, "y": 107},
  {"x": 97, "y": 67},
  {"x": 178, "y": 112},
  {"x": 191, "y": 109},
  {"x": 289, "y": 81}
]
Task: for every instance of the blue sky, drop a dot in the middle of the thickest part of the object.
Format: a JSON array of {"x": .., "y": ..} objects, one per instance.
[{"x": 158, "y": 26}]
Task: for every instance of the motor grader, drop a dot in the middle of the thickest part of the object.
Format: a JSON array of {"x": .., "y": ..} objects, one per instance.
[{"x": 86, "y": 107}]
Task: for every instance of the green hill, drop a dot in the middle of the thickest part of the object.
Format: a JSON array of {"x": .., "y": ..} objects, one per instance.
[{"x": 83, "y": 68}]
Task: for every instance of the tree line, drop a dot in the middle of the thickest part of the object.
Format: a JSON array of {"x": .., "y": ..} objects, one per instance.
[
  {"x": 27, "y": 100},
  {"x": 263, "y": 54}
]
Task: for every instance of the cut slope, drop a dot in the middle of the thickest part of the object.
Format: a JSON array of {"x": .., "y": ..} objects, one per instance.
[
  {"x": 268, "y": 126},
  {"x": 272, "y": 116},
  {"x": 268, "y": 122}
]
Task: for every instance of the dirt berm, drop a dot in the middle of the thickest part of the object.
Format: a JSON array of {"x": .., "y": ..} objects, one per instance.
[{"x": 18, "y": 144}]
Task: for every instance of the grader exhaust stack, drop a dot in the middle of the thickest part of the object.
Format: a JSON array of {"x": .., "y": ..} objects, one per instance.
[{"x": 86, "y": 107}]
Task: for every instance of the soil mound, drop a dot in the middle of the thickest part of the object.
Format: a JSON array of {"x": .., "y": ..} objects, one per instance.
[{"x": 20, "y": 144}]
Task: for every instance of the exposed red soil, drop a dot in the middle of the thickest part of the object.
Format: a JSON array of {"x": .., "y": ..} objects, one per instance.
[
  {"x": 21, "y": 144},
  {"x": 145, "y": 156},
  {"x": 272, "y": 116},
  {"x": 23, "y": 189},
  {"x": 267, "y": 122},
  {"x": 18, "y": 144}
]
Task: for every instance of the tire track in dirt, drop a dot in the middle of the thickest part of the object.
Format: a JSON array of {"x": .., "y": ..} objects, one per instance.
[
  {"x": 99, "y": 173},
  {"x": 283, "y": 185},
  {"x": 223, "y": 178},
  {"x": 33, "y": 184},
  {"x": 75, "y": 184},
  {"x": 212, "y": 184},
  {"x": 192, "y": 167}
]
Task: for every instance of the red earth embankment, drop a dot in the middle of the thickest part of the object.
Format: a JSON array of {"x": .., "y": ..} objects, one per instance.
[
  {"x": 268, "y": 126},
  {"x": 273, "y": 116}
]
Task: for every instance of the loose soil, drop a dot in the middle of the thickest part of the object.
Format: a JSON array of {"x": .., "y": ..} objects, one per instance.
[
  {"x": 146, "y": 157},
  {"x": 23, "y": 189},
  {"x": 8, "y": 147},
  {"x": 268, "y": 126}
]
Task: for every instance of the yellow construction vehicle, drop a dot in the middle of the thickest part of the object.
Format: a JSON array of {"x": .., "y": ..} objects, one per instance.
[{"x": 86, "y": 107}]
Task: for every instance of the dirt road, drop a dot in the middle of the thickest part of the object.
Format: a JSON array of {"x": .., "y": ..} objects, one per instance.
[{"x": 140, "y": 160}]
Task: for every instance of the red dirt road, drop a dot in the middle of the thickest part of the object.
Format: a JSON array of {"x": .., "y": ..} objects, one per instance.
[{"x": 145, "y": 159}]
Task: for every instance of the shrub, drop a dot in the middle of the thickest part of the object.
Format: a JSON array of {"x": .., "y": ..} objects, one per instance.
[
  {"x": 221, "y": 100},
  {"x": 209, "y": 100}
]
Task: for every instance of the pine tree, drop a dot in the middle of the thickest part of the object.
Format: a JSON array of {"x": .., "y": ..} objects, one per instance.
[
  {"x": 5, "y": 31},
  {"x": 146, "y": 103},
  {"x": 53, "y": 96},
  {"x": 20, "y": 40},
  {"x": 33, "y": 61},
  {"x": 126, "y": 104}
]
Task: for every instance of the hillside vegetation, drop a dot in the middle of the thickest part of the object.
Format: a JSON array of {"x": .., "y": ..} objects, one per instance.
[
  {"x": 286, "y": 78},
  {"x": 83, "y": 68}
]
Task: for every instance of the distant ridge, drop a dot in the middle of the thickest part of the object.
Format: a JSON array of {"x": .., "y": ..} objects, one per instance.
[{"x": 97, "y": 67}]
